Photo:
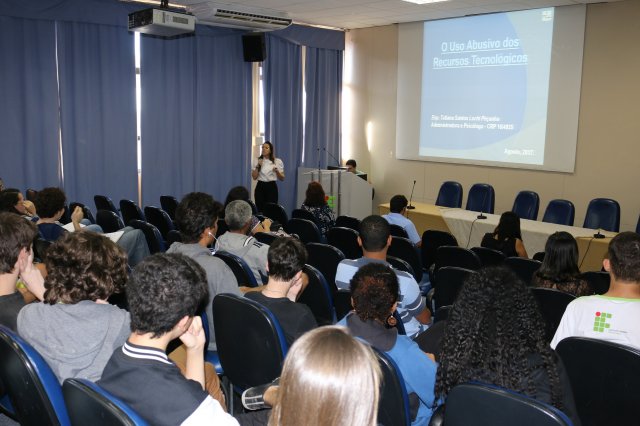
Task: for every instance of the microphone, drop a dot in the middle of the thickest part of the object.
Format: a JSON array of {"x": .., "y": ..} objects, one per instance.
[
  {"x": 410, "y": 207},
  {"x": 484, "y": 198},
  {"x": 599, "y": 235},
  {"x": 331, "y": 155}
]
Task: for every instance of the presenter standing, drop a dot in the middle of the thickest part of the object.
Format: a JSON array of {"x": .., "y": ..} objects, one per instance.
[{"x": 267, "y": 169}]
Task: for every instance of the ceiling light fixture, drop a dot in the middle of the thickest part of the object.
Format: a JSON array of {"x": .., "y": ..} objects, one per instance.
[{"x": 424, "y": 1}]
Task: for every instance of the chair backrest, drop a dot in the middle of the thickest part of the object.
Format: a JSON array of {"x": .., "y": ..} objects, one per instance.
[
  {"x": 222, "y": 227},
  {"x": 275, "y": 212},
  {"x": 173, "y": 236},
  {"x": 561, "y": 212},
  {"x": 130, "y": 211},
  {"x": 109, "y": 221},
  {"x": 400, "y": 264},
  {"x": 448, "y": 282},
  {"x": 442, "y": 313},
  {"x": 481, "y": 198},
  {"x": 240, "y": 268},
  {"x": 40, "y": 247},
  {"x": 475, "y": 404},
  {"x": 431, "y": 240},
  {"x": 89, "y": 404},
  {"x": 604, "y": 378},
  {"x": 306, "y": 230},
  {"x": 450, "y": 195},
  {"x": 539, "y": 256},
  {"x": 317, "y": 296},
  {"x": 160, "y": 219},
  {"x": 393, "y": 405},
  {"x": 251, "y": 344},
  {"x": 348, "y": 222},
  {"x": 489, "y": 257},
  {"x": 456, "y": 256},
  {"x": 526, "y": 205},
  {"x": 169, "y": 204},
  {"x": 552, "y": 305},
  {"x": 265, "y": 237},
  {"x": 342, "y": 303},
  {"x": 598, "y": 280},
  {"x": 397, "y": 231},
  {"x": 302, "y": 214},
  {"x": 103, "y": 202},
  {"x": 31, "y": 194},
  {"x": 85, "y": 210},
  {"x": 638, "y": 226},
  {"x": 603, "y": 213},
  {"x": 33, "y": 389},
  {"x": 151, "y": 234},
  {"x": 346, "y": 240},
  {"x": 405, "y": 250},
  {"x": 524, "y": 268},
  {"x": 325, "y": 258}
]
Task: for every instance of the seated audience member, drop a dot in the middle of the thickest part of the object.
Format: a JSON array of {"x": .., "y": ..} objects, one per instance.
[
  {"x": 237, "y": 241},
  {"x": 197, "y": 219},
  {"x": 315, "y": 202},
  {"x": 16, "y": 261},
  {"x": 396, "y": 216},
  {"x": 241, "y": 193},
  {"x": 75, "y": 329},
  {"x": 164, "y": 294},
  {"x": 507, "y": 237},
  {"x": 495, "y": 334},
  {"x": 559, "y": 269},
  {"x": 12, "y": 201},
  {"x": 329, "y": 379},
  {"x": 352, "y": 166},
  {"x": 286, "y": 257},
  {"x": 375, "y": 239},
  {"x": 50, "y": 203},
  {"x": 374, "y": 295},
  {"x": 614, "y": 316}
]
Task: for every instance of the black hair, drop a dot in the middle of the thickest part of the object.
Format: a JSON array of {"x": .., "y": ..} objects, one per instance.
[
  {"x": 8, "y": 201},
  {"x": 50, "y": 201},
  {"x": 397, "y": 203},
  {"x": 560, "y": 262},
  {"x": 16, "y": 233},
  {"x": 163, "y": 289},
  {"x": 352, "y": 162},
  {"x": 196, "y": 212},
  {"x": 374, "y": 290},
  {"x": 508, "y": 227},
  {"x": 374, "y": 233},
  {"x": 237, "y": 193},
  {"x": 624, "y": 256},
  {"x": 285, "y": 258}
]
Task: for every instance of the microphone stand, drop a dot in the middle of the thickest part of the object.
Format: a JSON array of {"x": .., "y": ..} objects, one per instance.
[
  {"x": 330, "y": 155},
  {"x": 411, "y": 207}
]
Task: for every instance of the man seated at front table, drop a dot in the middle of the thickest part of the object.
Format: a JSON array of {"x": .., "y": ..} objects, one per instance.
[
  {"x": 375, "y": 239},
  {"x": 396, "y": 216},
  {"x": 615, "y": 315}
]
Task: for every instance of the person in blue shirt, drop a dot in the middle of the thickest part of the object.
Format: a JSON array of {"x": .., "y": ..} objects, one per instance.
[{"x": 396, "y": 216}]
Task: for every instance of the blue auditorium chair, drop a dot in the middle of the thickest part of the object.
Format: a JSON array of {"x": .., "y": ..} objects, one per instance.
[
  {"x": 526, "y": 205},
  {"x": 450, "y": 195},
  {"x": 603, "y": 213},
  {"x": 561, "y": 212},
  {"x": 481, "y": 198}
]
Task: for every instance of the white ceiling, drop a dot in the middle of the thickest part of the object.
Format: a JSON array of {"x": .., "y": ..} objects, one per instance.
[{"x": 350, "y": 14}]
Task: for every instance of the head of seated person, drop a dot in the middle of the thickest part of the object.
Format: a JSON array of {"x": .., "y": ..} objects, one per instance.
[
  {"x": 559, "y": 269},
  {"x": 315, "y": 196},
  {"x": 328, "y": 375},
  {"x": 12, "y": 201},
  {"x": 351, "y": 166},
  {"x": 197, "y": 218},
  {"x": 623, "y": 258},
  {"x": 50, "y": 203},
  {"x": 375, "y": 234},
  {"x": 240, "y": 193},
  {"x": 398, "y": 203},
  {"x": 238, "y": 216},
  {"x": 508, "y": 227}
]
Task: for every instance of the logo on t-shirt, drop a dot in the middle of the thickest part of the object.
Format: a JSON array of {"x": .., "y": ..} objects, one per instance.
[{"x": 600, "y": 322}]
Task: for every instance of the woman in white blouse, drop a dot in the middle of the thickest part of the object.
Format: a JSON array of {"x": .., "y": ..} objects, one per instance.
[{"x": 266, "y": 171}]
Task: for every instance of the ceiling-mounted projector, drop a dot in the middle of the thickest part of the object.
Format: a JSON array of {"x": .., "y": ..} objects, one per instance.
[{"x": 161, "y": 22}]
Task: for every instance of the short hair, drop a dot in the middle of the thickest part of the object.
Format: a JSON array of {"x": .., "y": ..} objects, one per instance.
[
  {"x": 8, "y": 201},
  {"x": 84, "y": 266},
  {"x": 315, "y": 196},
  {"x": 16, "y": 233},
  {"x": 195, "y": 212},
  {"x": 237, "y": 193},
  {"x": 351, "y": 162},
  {"x": 328, "y": 375},
  {"x": 237, "y": 214},
  {"x": 397, "y": 203},
  {"x": 560, "y": 263},
  {"x": 508, "y": 226},
  {"x": 374, "y": 290},
  {"x": 374, "y": 233},
  {"x": 285, "y": 258},
  {"x": 624, "y": 256},
  {"x": 163, "y": 289},
  {"x": 50, "y": 201}
]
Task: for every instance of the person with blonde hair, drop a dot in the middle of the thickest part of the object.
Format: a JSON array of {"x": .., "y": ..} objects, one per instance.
[{"x": 330, "y": 379}]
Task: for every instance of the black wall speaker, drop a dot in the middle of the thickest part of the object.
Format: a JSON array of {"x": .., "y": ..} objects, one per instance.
[{"x": 253, "y": 47}]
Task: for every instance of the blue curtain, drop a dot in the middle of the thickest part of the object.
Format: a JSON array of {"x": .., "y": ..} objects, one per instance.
[
  {"x": 97, "y": 102},
  {"x": 167, "y": 128},
  {"x": 323, "y": 85},
  {"x": 283, "y": 111},
  {"x": 223, "y": 115},
  {"x": 28, "y": 103}
]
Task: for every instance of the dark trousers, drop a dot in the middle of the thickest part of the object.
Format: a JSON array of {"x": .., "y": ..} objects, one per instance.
[{"x": 266, "y": 192}]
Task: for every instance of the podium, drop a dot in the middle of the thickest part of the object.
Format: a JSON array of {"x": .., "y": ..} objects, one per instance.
[{"x": 352, "y": 194}]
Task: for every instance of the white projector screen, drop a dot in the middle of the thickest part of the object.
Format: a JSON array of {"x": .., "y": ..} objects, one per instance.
[{"x": 499, "y": 89}]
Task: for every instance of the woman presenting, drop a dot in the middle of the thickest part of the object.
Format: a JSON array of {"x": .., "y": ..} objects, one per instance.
[{"x": 266, "y": 171}]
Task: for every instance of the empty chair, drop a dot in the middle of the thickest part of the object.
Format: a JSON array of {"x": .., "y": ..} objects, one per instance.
[
  {"x": 348, "y": 222},
  {"x": 109, "y": 221},
  {"x": 160, "y": 219},
  {"x": 524, "y": 268},
  {"x": 393, "y": 405},
  {"x": 481, "y": 198},
  {"x": 265, "y": 237},
  {"x": 450, "y": 195},
  {"x": 552, "y": 305},
  {"x": 457, "y": 256},
  {"x": 448, "y": 282},
  {"x": 400, "y": 264},
  {"x": 603, "y": 375},
  {"x": 431, "y": 240},
  {"x": 489, "y": 257},
  {"x": 526, "y": 205},
  {"x": 88, "y": 403},
  {"x": 561, "y": 212},
  {"x": 302, "y": 214},
  {"x": 33, "y": 389},
  {"x": 317, "y": 296},
  {"x": 404, "y": 249},
  {"x": 169, "y": 204},
  {"x": 154, "y": 239},
  {"x": 346, "y": 240},
  {"x": 476, "y": 404},
  {"x": 173, "y": 237},
  {"x": 397, "y": 231},
  {"x": 325, "y": 258},
  {"x": 130, "y": 211},
  {"x": 242, "y": 271},
  {"x": 306, "y": 230},
  {"x": 275, "y": 212},
  {"x": 598, "y": 280},
  {"x": 603, "y": 213},
  {"x": 103, "y": 202}
]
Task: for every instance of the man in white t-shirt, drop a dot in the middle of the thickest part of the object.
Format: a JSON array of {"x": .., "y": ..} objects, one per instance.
[{"x": 614, "y": 316}]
